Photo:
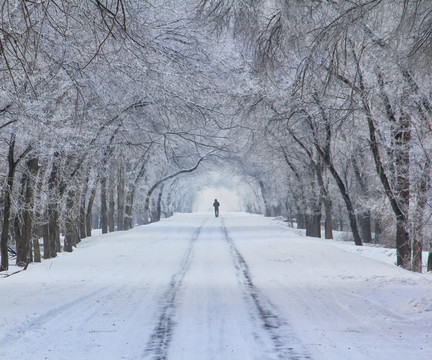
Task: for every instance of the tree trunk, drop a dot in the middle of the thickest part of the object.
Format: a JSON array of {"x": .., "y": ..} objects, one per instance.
[
  {"x": 299, "y": 201},
  {"x": 40, "y": 215},
  {"x": 403, "y": 244},
  {"x": 378, "y": 230},
  {"x": 111, "y": 206},
  {"x": 104, "y": 208},
  {"x": 365, "y": 216},
  {"x": 22, "y": 254},
  {"x": 264, "y": 197},
  {"x": 328, "y": 225},
  {"x": 328, "y": 219},
  {"x": 403, "y": 240},
  {"x": 82, "y": 212},
  {"x": 313, "y": 225},
  {"x": 128, "y": 209},
  {"x": 27, "y": 181},
  {"x": 121, "y": 199},
  {"x": 89, "y": 209},
  {"x": 159, "y": 205},
  {"x": 318, "y": 165},
  {"x": 7, "y": 196},
  {"x": 417, "y": 262},
  {"x": 429, "y": 263},
  {"x": 52, "y": 231},
  {"x": 36, "y": 250},
  {"x": 365, "y": 226},
  {"x": 313, "y": 219},
  {"x": 45, "y": 238},
  {"x": 6, "y": 221},
  {"x": 71, "y": 221},
  {"x": 301, "y": 221},
  {"x": 50, "y": 251},
  {"x": 341, "y": 218},
  {"x": 82, "y": 221}
]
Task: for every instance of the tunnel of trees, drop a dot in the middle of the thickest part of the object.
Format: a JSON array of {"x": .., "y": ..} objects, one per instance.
[{"x": 115, "y": 113}]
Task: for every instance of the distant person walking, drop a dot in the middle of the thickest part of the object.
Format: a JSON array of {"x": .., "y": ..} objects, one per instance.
[{"x": 216, "y": 207}]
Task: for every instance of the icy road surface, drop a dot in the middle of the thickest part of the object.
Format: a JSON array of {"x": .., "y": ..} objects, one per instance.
[{"x": 194, "y": 287}]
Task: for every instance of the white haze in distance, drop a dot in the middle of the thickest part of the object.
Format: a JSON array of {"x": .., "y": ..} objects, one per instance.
[{"x": 229, "y": 200}]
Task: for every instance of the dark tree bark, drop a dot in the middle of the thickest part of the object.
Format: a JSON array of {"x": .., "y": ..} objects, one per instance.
[
  {"x": 326, "y": 150},
  {"x": 22, "y": 255},
  {"x": 158, "y": 212},
  {"x": 88, "y": 219},
  {"x": 328, "y": 224},
  {"x": 130, "y": 197},
  {"x": 26, "y": 229},
  {"x": 13, "y": 164},
  {"x": 129, "y": 208},
  {"x": 46, "y": 238},
  {"x": 313, "y": 224},
  {"x": 54, "y": 234},
  {"x": 104, "y": 208},
  {"x": 52, "y": 238},
  {"x": 365, "y": 215},
  {"x": 82, "y": 211},
  {"x": 403, "y": 240},
  {"x": 111, "y": 206},
  {"x": 313, "y": 218},
  {"x": 71, "y": 238},
  {"x": 36, "y": 250},
  {"x": 365, "y": 226},
  {"x": 378, "y": 230},
  {"x": 301, "y": 221},
  {"x": 121, "y": 198},
  {"x": 264, "y": 197}
]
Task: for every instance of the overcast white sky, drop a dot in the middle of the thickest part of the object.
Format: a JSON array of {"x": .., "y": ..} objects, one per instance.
[{"x": 229, "y": 200}]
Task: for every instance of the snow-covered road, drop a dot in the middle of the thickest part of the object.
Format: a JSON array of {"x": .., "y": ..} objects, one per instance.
[{"x": 194, "y": 287}]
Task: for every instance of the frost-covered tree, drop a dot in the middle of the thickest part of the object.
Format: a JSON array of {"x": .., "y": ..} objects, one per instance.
[{"x": 363, "y": 62}]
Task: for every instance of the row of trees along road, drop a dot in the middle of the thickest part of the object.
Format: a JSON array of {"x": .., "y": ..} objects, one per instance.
[
  {"x": 344, "y": 99},
  {"x": 104, "y": 105},
  {"x": 100, "y": 107}
]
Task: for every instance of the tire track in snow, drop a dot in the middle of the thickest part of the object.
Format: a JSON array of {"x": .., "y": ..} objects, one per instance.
[
  {"x": 286, "y": 345},
  {"x": 158, "y": 345}
]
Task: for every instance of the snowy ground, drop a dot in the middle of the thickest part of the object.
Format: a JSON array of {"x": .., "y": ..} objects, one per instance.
[{"x": 194, "y": 287}]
